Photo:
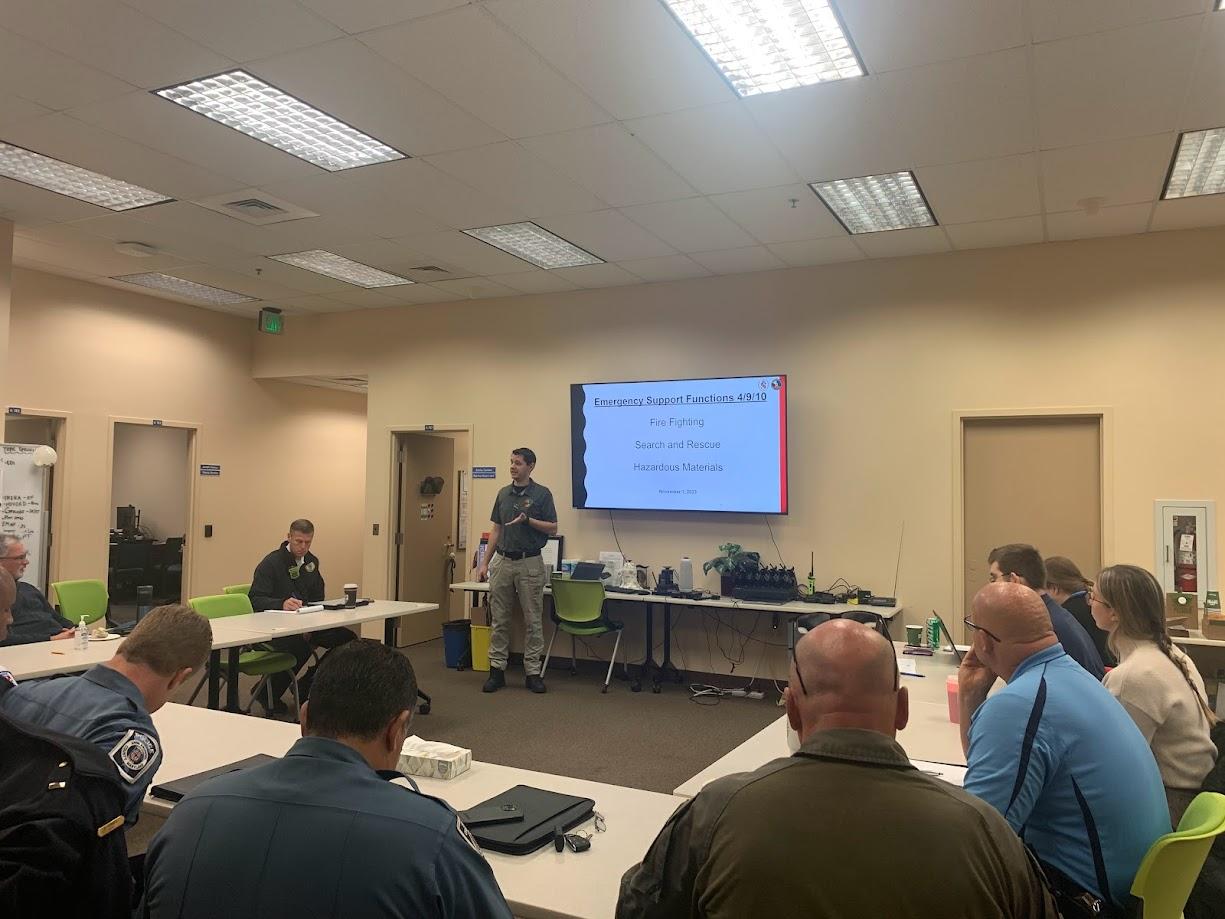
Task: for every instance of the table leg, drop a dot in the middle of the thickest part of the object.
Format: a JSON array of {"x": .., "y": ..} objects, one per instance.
[
  {"x": 389, "y": 632},
  {"x": 214, "y": 679},
  {"x": 650, "y": 669},
  {"x": 231, "y": 680},
  {"x": 667, "y": 664}
]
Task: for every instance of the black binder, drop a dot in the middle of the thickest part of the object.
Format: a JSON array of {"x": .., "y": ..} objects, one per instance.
[
  {"x": 542, "y": 811},
  {"x": 178, "y": 789}
]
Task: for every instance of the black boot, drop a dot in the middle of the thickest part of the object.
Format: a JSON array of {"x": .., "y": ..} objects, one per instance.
[{"x": 497, "y": 679}]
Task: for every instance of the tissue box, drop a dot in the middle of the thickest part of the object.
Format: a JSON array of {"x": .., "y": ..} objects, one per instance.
[{"x": 433, "y": 760}]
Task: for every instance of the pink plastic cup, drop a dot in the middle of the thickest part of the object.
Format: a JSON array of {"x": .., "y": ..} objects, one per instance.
[{"x": 954, "y": 692}]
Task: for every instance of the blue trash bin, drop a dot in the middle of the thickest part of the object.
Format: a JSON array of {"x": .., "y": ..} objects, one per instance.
[{"x": 457, "y": 643}]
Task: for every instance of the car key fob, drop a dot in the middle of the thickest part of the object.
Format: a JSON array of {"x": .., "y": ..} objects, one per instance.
[{"x": 577, "y": 843}]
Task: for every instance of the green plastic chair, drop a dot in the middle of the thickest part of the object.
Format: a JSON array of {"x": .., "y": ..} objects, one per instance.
[
  {"x": 262, "y": 662},
  {"x": 82, "y": 598},
  {"x": 237, "y": 589},
  {"x": 578, "y": 610},
  {"x": 1173, "y": 863}
]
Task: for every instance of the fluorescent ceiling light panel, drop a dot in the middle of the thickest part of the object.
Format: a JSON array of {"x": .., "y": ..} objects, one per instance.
[
  {"x": 184, "y": 288},
  {"x": 871, "y": 204},
  {"x": 260, "y": 110},
  {"x": 1199, "y": 165},
  {"x": 73, "y": 181},
  {"x": 344, "y": 269},
  {"x": 763, "y": 46},
  {"x": 535, "y": 244}
]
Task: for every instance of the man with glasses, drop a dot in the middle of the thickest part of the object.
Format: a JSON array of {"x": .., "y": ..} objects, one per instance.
[
  {"x": 1018, "y": 563},
  {"x": 845, "y": 827},
  {"x": 1056, "y": 754},
  {"x": 34, "y": 619}
]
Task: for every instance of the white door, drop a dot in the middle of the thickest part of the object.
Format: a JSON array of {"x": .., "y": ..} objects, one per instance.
[{"x": 1186, "y": 546}]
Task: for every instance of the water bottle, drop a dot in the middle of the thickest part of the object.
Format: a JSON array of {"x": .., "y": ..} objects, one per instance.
[
  {"x": 81, "y": 637},
  {"x": 686, "y": 574}
]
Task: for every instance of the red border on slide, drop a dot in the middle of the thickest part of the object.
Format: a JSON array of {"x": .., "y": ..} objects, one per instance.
[{"x": 782, "y": 444}]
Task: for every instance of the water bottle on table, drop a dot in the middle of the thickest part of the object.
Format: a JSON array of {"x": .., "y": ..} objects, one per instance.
[{"x": 80, "y": 638}]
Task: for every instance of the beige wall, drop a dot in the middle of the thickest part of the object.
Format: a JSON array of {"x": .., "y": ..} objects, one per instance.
[
  {"x": 6, "y": 284},
  {"x": 103, "y": 355},
  {"x": 879, "y": 357},
  {"x": 149, "y": 471}
]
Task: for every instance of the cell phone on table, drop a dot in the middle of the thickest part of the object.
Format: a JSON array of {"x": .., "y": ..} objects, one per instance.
[{"x": 492, "y": 814}]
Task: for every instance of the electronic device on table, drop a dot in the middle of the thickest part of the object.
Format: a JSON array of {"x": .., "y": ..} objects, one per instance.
[
  {"x": 588, "y": 571},
  {"x": 769, "y": 584}
]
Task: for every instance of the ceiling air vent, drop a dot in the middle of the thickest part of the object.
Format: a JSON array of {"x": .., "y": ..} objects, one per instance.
[{"x": 253, "y": 206}]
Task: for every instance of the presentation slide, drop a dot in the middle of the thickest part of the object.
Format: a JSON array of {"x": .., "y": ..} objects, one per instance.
[{"x": 681, "y": 445}]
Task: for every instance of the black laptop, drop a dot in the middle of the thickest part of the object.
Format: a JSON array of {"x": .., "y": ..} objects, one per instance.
[
  {"x": 178, "y": 789},
  {"x": 588, "y": 571}
]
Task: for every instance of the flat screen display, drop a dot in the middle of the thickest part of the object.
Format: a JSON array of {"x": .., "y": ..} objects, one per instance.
[{"x": 681, "y": 445}]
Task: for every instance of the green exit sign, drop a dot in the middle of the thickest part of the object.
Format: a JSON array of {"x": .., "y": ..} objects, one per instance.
[{"x": 271, "y": 321}]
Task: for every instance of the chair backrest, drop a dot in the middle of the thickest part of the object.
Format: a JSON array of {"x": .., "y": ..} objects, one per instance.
[
  {"x": 134, "y": 555},
  {"x": 236, "y": 589},
  {"x": 577, "y": 601},
  {"x": 221, "y": 605},
  {"x": 1173, "y": 863},
  {"x": 81, "y": 598},
  {"x": 174, "y": 548}
]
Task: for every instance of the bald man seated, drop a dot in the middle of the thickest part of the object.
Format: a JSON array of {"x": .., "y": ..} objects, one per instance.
[
  {"x": 1055, "y": 753},
  {"x": 846, "y": 826}
]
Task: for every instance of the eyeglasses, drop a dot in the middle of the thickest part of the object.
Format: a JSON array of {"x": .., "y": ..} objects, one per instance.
[
  {"x": 15, "y": 558},
  {"x": 1091, "y": 597},
  {"x": 979, "y": 628}
]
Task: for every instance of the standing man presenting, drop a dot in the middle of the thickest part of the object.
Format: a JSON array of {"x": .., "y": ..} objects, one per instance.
[{"x": 523, "y": 519}]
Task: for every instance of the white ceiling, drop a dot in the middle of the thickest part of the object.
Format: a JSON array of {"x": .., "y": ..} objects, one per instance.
[{"x": 1024, "y": 120}]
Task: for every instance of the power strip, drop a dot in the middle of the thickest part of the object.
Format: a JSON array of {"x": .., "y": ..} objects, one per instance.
[{"x": 745, "y": 694}]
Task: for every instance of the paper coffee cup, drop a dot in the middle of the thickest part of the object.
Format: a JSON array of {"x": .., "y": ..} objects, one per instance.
[
  {"x": 914, "y": 635},
  {"x": 350, "y": 596}
]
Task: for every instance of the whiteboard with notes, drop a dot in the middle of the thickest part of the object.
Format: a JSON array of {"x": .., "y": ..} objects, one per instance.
[{"x": 23, "y": 506}]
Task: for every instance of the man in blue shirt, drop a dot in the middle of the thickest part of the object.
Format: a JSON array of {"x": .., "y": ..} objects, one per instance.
[
  {"x": 329, "y": 830},
  {"x": 1054, "y": 752},
  {"x": 110, "y": 705},
  {"x": 1019, "y": 563}
]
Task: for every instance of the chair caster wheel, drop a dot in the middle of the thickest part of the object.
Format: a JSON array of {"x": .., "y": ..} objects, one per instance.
[
  {"x": 604, "y": 689},
  {"x": 656, "y": 688},
  {"x": 635, "y": 686},
  {"x": 423, "y": 709}
]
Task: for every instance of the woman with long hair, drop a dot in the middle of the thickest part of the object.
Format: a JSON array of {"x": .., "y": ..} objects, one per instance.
[
  {"x": 1068, "y": 587},
  {"x": 1155, "y": 681}
]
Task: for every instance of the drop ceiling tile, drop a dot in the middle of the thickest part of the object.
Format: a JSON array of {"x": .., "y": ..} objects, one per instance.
[
  {"x": 1015, "y": 231},
  {"x": 534, "y": 282},
  {"x": 308, "y": 305},
  {"x": 775, "y": 215},
  {"x": 284, "y": 275},
  {"x": 1054, "y": 19},
  {"x": 691, "y": 225},
  {"x": 896, "y": 243},
  {"x": 70, "y": 247},
  {"x": 240, "y": 282},
  {"x": 594, "y": 43},
  {"x": 609, "y": 234},
  {"x": 817, "y": 251},
  {"x": 1185, "y": 213},
  {"x": 472, "y": 255},
  {"x": 49, "y": 78},
  {"x": 966, "y": 109},
  {"x": 362, "y": 15},
  {"x": 1092, "y": 88},
  {"x": 716, "y": 149},
  {"x": 398, "y": 258},
  {"x": 612, "y": 163},
  {"x": 591, "y": 276},
  {"x": 22, "y": 261},
  {"x": 1205, "y": 104},
  {"x": 983, "y": 189},
  {"x": 892, "y": 36},
  {"x": 173, "y": 237},
  {"x": 14, "y": 110},
  {"x": 512, "y": 173},
  {"x": 1109, "y": 221},
  {"x": 1118, "y": 171},
  {"x": 665, "y": 268},
  {"x": 358, "y": 298},
  {"x": 475, "y": 288},
  {"x": 476, "y": 63},
  {"x": 377, "y": 97},
  {"x": 161, "y": 125},
  {"x": 739, "y": 261},
  {"x": 113, "y": 38},
  {"x": 239, "y": 29}
]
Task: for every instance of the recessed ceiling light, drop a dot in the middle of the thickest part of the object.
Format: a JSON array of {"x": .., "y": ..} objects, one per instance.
[
  {"x": 535, "y": 244},
  {"x": 1199, "y": 165},
  {"x": 260, "y": 110},
  {"x": 763, "y": 46},
  {"x": 344, "y": 269},
  {"x": 184, "y": 288},
  {"x": 73, "y": 181},
  {"x": 871, "y": 204}
]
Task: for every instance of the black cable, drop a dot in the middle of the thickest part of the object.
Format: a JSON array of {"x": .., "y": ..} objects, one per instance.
[
  {"x": 613, "y": 523},
  {"x": 781, "y": 561}
]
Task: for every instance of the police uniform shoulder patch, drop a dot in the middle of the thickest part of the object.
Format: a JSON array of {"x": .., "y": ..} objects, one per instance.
[
  {"x": 467, "y": 836},
  {"x": 134, "y": 754}
]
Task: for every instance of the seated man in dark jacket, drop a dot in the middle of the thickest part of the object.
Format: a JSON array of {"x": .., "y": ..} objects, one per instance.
[
  {"x": 34, "y": 619},
  {"x": 289, "y": 578}
]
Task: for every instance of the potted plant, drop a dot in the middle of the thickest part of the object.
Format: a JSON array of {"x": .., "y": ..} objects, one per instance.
[{"x": 733, "y": 561}]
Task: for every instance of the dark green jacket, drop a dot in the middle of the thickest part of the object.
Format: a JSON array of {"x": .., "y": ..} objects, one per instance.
[{"x": 845, "y": 829}]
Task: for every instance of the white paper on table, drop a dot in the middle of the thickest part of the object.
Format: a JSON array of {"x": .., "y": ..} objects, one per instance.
[
  {"x": 954, "y": 775},
  {"x": 316, "y": 608},
  {"x": 907, "y": 665}
]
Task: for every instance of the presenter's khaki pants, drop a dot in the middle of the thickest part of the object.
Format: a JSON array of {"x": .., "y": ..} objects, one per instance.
[{"x": 508, "y": 579}]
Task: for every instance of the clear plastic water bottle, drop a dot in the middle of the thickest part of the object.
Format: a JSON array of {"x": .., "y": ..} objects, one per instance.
[
  {"x": 81, "y": 637},
  {"x": 686, "y": 574}
]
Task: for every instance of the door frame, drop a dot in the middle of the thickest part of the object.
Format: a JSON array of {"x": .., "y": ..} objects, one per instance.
[
  {"x": 59, "y": 483},
  {"x": 1104, "y": 415},
  {"x": 193, "y": 483},
  {"x": 394, "y": 495}
]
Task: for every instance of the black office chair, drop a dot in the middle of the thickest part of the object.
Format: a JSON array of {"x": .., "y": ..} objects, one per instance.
[
  {"x": 172, "y": 568},
  {"x": 132, "y": 560}
]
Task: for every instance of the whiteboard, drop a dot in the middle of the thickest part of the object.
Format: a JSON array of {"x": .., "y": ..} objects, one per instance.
[{"x": 23, "y": 507}]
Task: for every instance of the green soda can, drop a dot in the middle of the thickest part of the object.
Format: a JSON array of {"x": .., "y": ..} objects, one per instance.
[{"x": 933, "y": 633}]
